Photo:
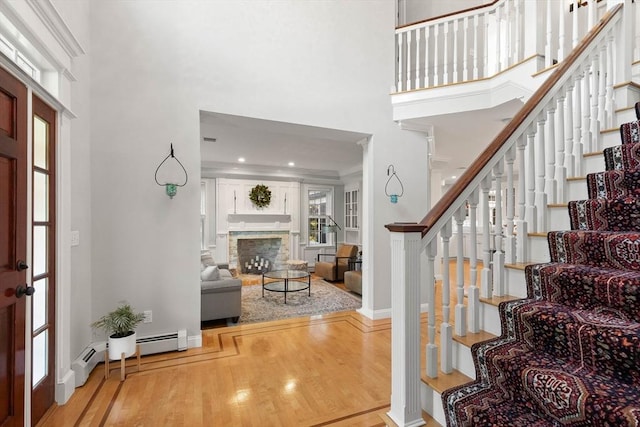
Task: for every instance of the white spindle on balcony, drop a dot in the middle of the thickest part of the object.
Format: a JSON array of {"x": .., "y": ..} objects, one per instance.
[
  {"x": 486, "y": 287},
  {"x": 541, "y": 195},
  {"x": 498, "y": 253}
]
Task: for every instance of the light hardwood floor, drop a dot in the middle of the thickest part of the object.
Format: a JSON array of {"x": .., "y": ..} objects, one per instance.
[{"x": 330, "y": 370}]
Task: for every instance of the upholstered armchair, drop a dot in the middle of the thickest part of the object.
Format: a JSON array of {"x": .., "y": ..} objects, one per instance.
[{"x": 334, "y": 268}]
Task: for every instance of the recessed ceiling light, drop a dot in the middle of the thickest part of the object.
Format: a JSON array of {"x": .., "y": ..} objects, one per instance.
[
  {"x": 291, "y": 164},
  {"x": 241, "y": 159}
]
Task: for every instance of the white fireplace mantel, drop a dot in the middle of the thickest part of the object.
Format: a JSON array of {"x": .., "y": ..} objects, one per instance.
[{"x": 258, "y": 217}]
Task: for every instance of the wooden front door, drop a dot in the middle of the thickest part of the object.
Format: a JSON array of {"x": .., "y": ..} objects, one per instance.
[{"x": 13, "y": 247}]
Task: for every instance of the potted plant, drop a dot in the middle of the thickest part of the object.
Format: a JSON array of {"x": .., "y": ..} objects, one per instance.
[{"x": 120, "y": 325}]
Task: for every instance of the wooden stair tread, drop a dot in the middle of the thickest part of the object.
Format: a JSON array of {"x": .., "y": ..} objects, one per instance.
[
  {"x": 445, "y": 381},
  {"x": 537, "y": 235},
  {"x": 610, "y": 130},
  {"x": 557, "y": 205},
  {"x": 473, "y": 338},
  {"x": 519, "y": 265},
  {"x": 577, "y": 178},
  {"x": 593, "y": 154},
  {"x": 497, "y": 300}
]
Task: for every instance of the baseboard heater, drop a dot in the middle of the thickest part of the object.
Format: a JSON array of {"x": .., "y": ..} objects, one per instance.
[{"x": 152, "y": 344}]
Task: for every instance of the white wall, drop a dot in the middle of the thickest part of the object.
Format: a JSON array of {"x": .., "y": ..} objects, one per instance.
[
  {"x": 76, "y": 16},
  {"x": 418, "y": 10},
  {"x": 155, "y": 65}
]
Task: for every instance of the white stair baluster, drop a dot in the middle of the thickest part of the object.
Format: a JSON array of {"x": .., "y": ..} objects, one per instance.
[
  {"x": 550, "y": 154},
  {"x": 561, "y": 171},
  {"x": 587, "y": 138},
  {"x": 474, "y": 291},
  {"x": 460, "y": 309},
  {"x": 596, "y": 141},
  {"x": 570, "y": 161},
  {"x": 602, "y": 87},
  {"x": 446, "y": 333},
  {"x": 541, "y": 195},
  {"x": 510, "y": 239},
  {"x": 485, "y": 275},
  {"x": 577, "y": 125},
  {"x": 521, "y": 224},
  {"x": 499, "y": 64},
  {"x": 610, "y": 104},
  {"x": 498, "y": 254},
  {"x": 432, "y": 347},
  {"x": 532, "y": 210}
]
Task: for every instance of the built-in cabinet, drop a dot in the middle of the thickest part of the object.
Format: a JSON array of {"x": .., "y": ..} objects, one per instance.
[{"x": 351, "y": 209}]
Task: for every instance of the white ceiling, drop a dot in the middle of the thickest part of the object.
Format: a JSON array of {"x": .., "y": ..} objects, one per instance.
[
  {"x": 268, "y": 146},
  {"x": 324, "y": 154}
]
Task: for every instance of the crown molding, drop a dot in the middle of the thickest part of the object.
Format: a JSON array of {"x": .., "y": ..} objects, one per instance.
[{"x": 49, "y": 15}]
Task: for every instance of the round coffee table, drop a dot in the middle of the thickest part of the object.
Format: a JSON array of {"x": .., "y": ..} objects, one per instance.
[{"x": 286, "y": 281}]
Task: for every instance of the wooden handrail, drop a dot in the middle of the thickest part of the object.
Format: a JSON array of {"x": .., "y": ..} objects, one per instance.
[{"x": 481, "y": 161}]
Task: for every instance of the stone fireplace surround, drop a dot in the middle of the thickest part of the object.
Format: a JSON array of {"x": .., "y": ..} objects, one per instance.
[{"x": 268, "y": 245}]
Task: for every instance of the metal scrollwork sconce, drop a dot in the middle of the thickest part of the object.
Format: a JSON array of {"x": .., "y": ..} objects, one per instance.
[
  {"x": 171, "y": 188},
  {"x": 393, "y": 197}
]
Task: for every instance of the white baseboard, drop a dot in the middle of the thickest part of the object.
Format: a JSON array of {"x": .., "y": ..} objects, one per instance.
[
  {"x": 65, "y": 387},
  {"x": 194, "y": 341},
  {"x": 375, "y": 314}
]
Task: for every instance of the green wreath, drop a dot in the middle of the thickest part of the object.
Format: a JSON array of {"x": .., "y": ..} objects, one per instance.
[{"x": 260, "y": 195}]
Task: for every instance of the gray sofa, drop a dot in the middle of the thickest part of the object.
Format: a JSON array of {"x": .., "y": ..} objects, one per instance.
[{"x": 220, "y": 293}]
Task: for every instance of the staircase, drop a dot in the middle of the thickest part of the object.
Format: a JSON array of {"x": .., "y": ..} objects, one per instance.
[
  {"x": 569, "y": 354},
  {"x": 530, "y": 171}
]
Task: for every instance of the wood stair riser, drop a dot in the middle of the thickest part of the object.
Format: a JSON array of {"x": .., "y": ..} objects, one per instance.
[{"x": 626, "y": 115}]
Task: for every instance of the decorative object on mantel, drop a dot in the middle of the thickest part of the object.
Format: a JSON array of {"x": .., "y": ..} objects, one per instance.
[
  {"x": 260, "y": 196},
  {"x": 234, "y": 201},
  {"x": 333, "y": 228},
  {"x": 172, "y": 188},
  {"x": 393, "y": 197},
  {"x": 285, "y": 204}
]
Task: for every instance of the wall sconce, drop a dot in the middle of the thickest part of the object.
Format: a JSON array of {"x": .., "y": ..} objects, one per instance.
[
  {"x": 171, "y": 188},
  {"x": 391, "y": 173}
]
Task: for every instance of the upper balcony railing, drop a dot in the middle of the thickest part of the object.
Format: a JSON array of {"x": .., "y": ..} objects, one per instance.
[{"x": 481, "y": 42}]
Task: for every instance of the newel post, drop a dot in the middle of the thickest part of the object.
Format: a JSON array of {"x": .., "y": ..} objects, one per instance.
[{"x": 406, "y": 241}]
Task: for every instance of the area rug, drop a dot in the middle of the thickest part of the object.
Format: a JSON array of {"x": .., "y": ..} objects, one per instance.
[{"x": 325, "y": 298}]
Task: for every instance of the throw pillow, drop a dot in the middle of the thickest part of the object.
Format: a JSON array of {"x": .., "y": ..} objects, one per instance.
[
  {"x": 210, "y": 273},
  {"x": 206, "y": 259}
]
